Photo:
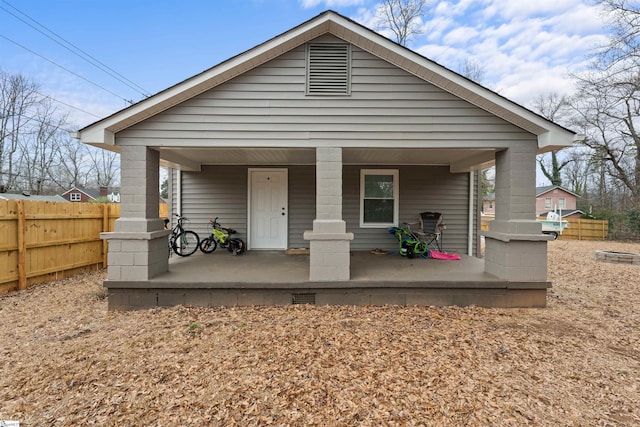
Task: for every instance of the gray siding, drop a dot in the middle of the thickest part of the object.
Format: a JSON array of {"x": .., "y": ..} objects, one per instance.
[
  {"x": 386, "y": 105},
  {"x": 422, "y": 188},
  {"x": 302, "y": 203},
  {"x": 216, "y": 192},
  {"x": 222, "y": 191}
]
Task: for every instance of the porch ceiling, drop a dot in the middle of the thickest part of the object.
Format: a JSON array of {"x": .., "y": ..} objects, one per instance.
[{"x": 459, "y": 160}]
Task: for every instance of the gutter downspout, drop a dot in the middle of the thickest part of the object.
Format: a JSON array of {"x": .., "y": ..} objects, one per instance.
[
  {"x": 179, "y": 192},
  {"x": 470, "y": 232}
]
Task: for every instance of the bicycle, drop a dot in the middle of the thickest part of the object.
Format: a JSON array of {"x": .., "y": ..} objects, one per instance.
[
  {"x": 220, "y": 236},
  {"x": 182, "y": 242}
]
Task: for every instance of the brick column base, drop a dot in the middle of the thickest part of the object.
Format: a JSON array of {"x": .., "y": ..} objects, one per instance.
[
  {"x": 329, "y": 248},
  {"x": 517, "y": 259},
  {"x": 137, "y": 256}
]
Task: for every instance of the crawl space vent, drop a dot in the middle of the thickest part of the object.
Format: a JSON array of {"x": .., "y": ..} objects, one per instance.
[{"x": 303, "y": 299}]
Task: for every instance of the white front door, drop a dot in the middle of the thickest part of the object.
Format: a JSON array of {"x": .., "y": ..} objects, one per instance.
[{"x": 268, "y": 209}]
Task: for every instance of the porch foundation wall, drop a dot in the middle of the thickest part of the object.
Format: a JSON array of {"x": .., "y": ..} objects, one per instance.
[{"x": 136, "y": 299}]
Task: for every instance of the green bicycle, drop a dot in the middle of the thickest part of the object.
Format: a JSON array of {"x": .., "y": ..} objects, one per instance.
[{"x": 220, "y": 236}]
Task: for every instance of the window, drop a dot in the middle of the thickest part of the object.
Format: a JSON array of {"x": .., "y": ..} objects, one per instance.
[
  {"x": 561, "y": 203},
  {"x": 328, "y": 69},
  {"x": 75, "y": 197},
  {"x": 378, "y": 198},
  {"x": 547, "y": 203}
]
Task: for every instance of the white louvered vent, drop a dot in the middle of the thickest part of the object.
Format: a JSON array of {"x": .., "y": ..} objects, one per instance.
[{"x": 328, "y": 69}]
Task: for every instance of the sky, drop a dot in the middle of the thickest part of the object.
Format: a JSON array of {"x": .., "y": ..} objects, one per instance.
[{"x": 526, "y": 48}]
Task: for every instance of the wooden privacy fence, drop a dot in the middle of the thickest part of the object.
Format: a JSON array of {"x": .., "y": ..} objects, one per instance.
[
  {"x": 579, "y": 229},
  {"x": 43, "y": 241}
]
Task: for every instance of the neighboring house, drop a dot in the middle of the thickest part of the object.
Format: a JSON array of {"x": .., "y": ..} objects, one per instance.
[
  {"x": 77, "y": 194},
  {"x": 489, "y": 204},
  {"x": 554, "y": 197},
  {"x": 324, "y": 137},
  {"x": 33, "y": 197},
  {"x": 548, "y": 199}
]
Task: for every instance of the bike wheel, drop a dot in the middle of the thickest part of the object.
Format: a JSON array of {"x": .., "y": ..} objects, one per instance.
[
  {"x": 208, "y": 245},
  {"x": 186, "y": 243}
]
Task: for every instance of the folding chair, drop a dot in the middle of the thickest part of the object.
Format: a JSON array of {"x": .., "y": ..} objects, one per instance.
[{"x": 431, "y": 226}]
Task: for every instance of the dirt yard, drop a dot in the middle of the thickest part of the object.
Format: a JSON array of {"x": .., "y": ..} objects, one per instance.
[{"x": 65, "y": 360}]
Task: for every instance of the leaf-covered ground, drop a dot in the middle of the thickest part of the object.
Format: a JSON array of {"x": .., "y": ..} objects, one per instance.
[{"x": 65, "y": 360}]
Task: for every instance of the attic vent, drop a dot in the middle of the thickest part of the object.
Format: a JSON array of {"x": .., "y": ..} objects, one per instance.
[{"x": 328, "y": 69}]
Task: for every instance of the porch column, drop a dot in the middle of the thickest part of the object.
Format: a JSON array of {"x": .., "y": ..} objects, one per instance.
[
  {"x": 329, "y": 243},
  {"x": 138, "y": 246},
  {"x": 516, "y": 249}
]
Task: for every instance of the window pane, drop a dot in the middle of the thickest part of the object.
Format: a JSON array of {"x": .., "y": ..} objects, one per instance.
[
  {"x": 378, "y": 210},
  {"x": 378, "y": 186}
]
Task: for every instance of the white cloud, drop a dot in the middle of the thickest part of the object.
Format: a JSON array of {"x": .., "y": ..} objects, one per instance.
[
  {"x": 308, "y": 4},
  {"x": 527, "y": 48}
]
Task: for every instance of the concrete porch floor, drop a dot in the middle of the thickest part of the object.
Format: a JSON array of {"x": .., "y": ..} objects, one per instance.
[
  {"x": 276, "y": 267},
  {"x": 275, "y": 278}
]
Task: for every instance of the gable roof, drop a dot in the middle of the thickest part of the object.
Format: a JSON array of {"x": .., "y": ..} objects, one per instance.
[
  {"x": 545, "y": 189},
  {"x": 550, "y": 135},
  {"x": 94, "y": 194},
  {"x": 34, "y": 197}
]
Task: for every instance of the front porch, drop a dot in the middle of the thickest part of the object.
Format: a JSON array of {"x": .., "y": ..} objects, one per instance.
[{"x": 275, "y": 278}]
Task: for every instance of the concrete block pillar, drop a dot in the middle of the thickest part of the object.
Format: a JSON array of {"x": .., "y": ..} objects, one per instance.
[
  {"x": 329, "y": 243},
  {"x": 516, "y": 249},
  {"x": 138, "y": 246}
]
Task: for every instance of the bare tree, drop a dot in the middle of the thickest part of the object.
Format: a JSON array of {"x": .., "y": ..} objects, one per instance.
[
  {"x": 105, "y": 167},
  {"x": 609, "y": 111},
  {"x": 622, "y": 53},
  {"x": 472, "y": 69},
  {"x": 42, "y": 151},
  {"x": 554, "y": 107},
  {"x": 607, "y": 104},
  {"x": 73, "y": 166},
  {"x": 18, "y": 97},
  {"x": 402, "y": 17}
]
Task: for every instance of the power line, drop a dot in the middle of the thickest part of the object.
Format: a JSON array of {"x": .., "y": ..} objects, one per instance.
[
  {"x": 69, "y": 105},
  {"x": 66, "y": 69},
  {"x": 75, "y": 49}
]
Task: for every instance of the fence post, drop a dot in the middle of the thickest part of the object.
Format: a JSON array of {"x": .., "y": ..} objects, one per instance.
[
  {"x": 579, "y": 229},
  {"x": 105, "y": 228},
  {"x": 22, "y": 247}
]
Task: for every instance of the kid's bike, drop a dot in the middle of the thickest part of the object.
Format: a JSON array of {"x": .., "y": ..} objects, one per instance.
[{"x": 220, "y": 236}]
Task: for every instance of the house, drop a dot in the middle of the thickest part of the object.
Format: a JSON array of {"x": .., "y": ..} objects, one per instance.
[
  {"x": 489, "y": 204},
  {"x": 556, "y": 198},
  {"x": 324, "y": 137},
  {"x": 84, "y": 195},
  {"x": 548, "y": 199},
  {"x": 31, "y": 197}
]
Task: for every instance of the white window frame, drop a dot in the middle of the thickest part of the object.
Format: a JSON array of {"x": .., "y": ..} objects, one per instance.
[
  {"x": 562, "y": 203},
  {"x": 396, "y": 197},
  {"x": 75, "y": 197},
  {"x": 547, "y": 203}
]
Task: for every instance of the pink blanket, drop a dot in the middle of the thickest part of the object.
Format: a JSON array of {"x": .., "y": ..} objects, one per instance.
[{"x": 442, "y": 255}]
